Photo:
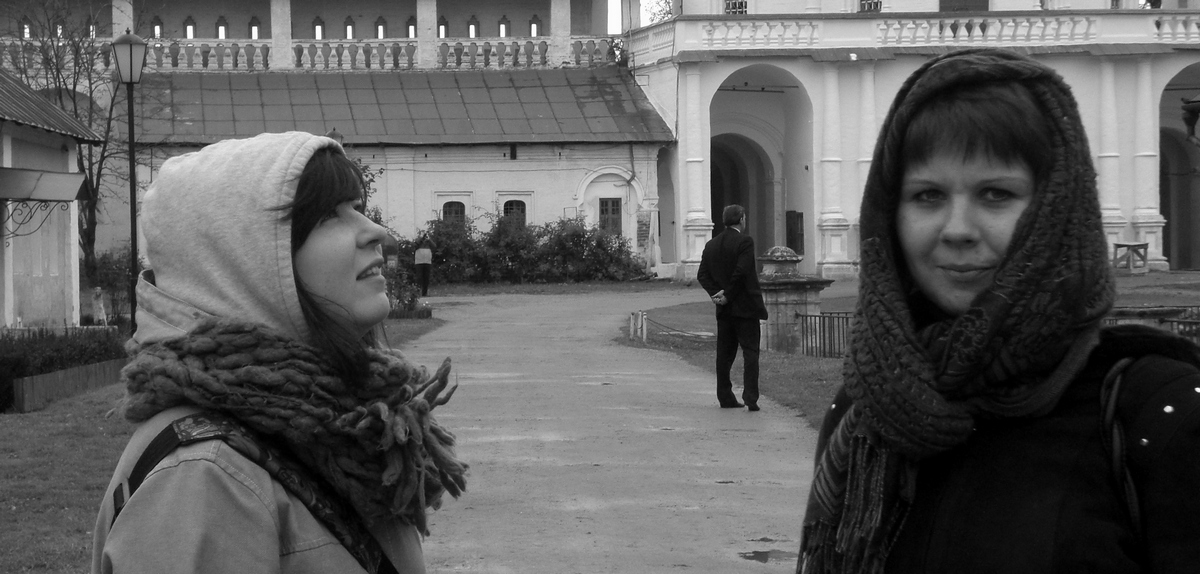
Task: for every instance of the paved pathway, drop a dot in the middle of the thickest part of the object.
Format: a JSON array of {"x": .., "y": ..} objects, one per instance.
[{"x": 588, "y": 456}]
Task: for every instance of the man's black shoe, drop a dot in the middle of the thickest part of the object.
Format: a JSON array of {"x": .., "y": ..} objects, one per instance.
[
  {"x": 752, "y": 408},
  {"x": 733, "y": 406}
]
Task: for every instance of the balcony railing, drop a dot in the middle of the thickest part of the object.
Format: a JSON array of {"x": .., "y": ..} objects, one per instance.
[
  {"x": 385, "y": 54},
  {"x": 654, "y": 43}
]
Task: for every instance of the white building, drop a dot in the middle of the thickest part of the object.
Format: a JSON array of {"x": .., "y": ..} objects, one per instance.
[{"x": 473, "y": 106}]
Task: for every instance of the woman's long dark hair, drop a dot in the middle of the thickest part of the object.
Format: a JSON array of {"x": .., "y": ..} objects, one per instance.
[{"x": 329, "y": 179}]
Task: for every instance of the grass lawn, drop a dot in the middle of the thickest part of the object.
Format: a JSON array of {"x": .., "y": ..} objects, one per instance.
[
  {"x": 806, "y": 384},
  {"x": 56, "y": 463}
]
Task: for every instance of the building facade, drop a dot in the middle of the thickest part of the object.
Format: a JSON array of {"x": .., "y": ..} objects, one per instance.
[{"x": 475, "y": 107}]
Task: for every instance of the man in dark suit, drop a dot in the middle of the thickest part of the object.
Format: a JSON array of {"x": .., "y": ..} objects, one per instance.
[{"x": 729, "y": 275}]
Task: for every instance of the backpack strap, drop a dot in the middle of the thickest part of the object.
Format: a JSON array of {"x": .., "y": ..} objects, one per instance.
[
  {"x": 1115, "y": 441},
  {"x": 343, "y": 523}
]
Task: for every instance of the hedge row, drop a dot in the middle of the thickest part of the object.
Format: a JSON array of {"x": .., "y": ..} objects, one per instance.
[
  {"x": 566, "y": 250},
  {"x": 39, "y": 351}
]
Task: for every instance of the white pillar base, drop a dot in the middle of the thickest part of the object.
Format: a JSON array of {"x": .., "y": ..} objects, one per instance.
[
  {"x": 835, "y": 262},
  {"x": 1148, "y": 228}
]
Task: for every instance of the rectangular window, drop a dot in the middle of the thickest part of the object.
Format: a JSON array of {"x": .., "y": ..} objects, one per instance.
[
  {"x": 92, "y": 30},
  {"x": 254, "y": 32},
  {"x": 504, "y": 29},
  {"x": 349, "y": 32},
  {"x": 441, "y": 31},
  {"x": 26, "y": 31},
  {"x": 412, "y": 31},
  {"x": 318, "y": 32},
  {"x": 191, "y": 32},
  {"x": 610, "y": 215},
  {"x": 735, "y": 6},
  {"x": 220, "y": 32},
  {"x": 157, "y": 31},
  {"x": 963, "y": 5},
  {"x": 533, "y": 30},
  {"x": 379, "y": 32},
  {"x": 870, "y": 5},
  {"x": 471, "y": 31}
]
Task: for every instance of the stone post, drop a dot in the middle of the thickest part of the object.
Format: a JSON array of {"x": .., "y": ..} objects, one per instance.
[{"x": 788, "y": 295}]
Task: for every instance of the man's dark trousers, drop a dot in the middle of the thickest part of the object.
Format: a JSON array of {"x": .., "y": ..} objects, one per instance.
[{"x": 731, "y": 332}]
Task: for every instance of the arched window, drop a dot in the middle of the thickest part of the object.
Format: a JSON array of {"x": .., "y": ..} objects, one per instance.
[
  {"x": 454, "y": 211},
  {"x": 473, "y": 27},
  {"x": 514, "y": 210},
  {"x": 157, "y": 25},
  {"x": 505, "y": 27},
  {"x": 26, "y": 29},
  {"x": 318, "y": 29},
  {"x": 411, "y": 26},
  {"x": 535, "y": 26},
  {"x": 381, "y": 28},
  {"x": 349, "y": 25},
  {"x": 222, "y": 27},
  {"x": 254, "y": 25},
  {"x": 189, "y": 28},
  {"x": 443, "y": 24}
]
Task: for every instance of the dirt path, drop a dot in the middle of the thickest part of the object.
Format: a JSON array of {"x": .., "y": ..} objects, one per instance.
[{"x": 589, "y": 457}]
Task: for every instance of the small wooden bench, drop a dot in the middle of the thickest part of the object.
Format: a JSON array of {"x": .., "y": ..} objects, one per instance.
[{"x": 1130, "y": 258}]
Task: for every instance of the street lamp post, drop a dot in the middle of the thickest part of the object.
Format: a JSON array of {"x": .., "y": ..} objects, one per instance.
[{"x": 129, "y": 53}]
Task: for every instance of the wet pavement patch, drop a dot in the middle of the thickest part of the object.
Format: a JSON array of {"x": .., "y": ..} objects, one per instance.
[{"x": 765, "y": 556}]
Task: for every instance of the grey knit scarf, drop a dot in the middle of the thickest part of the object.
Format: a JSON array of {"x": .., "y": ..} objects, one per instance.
[
  {"x": 374, "y": 442},
  {"x": 917, "y": 391}
]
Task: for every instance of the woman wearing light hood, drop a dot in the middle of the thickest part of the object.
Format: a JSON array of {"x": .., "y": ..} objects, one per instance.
[
  {"x": 983, "y": 425},
  {"x": 275, "y": 434}
]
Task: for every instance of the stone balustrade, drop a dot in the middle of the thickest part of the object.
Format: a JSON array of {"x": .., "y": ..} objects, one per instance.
[
  {"x": 360, "y": 55},
  {"x": 881, "y": 30}
]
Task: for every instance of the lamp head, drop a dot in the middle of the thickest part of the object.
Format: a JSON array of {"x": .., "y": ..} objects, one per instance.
[{"x": 129, "y": 53}]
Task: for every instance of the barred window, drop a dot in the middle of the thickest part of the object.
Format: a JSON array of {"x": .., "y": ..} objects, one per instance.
[
  {"x": 454, "y": 211},
  {"x": 735, "y": 6},
  {"x": 870, "y": 5},
  {"x": 515, "y": 209},
  {"x": 610, "y": 215}
]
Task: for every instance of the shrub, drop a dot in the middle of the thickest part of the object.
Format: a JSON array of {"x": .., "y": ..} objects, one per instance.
[
  {"x": 564, "y": 250},
  {"x": 39, "y": 351}
]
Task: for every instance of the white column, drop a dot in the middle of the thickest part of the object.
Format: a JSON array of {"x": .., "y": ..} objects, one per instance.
[
  {"x": 122, "y": 17},
  {"x": 427, "y": 34},
  {"x": 1108, "y": 161},
  {"x": 868, "y": 131},
  {"x": 833, "y": 258},
  {"x": 1147, "y": 221},
  {"x": 7, "y": 301},
  {"x": 282, "y": 56},
  {"x": 631, "y": 15},
  {"x": 71, "y": 233},
  {"x": 695, "y": 185},
  {"x": 560, "y": 33}
]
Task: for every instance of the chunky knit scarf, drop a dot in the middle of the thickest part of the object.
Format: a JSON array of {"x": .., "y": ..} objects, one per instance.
[
  {"x": 375, "y": 443},
  {"x": 917, "y": 391}
]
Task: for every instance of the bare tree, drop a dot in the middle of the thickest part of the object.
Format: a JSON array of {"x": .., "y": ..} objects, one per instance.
[
  {"x": 659, "y": 10},
  {"x": 60, "y": 48}
]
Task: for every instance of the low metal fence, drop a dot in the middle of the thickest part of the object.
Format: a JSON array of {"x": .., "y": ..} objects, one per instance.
[{"x": 824, "y": 335}]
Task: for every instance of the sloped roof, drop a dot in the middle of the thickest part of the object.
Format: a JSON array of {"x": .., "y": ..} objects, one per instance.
[
  {"x": 408, "y": 108},
  {"x": 20, "y": 104}
]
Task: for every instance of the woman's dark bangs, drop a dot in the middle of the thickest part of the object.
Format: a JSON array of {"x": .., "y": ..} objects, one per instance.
[
  {"x": 329, "y": 179},
  {"x": 1000, "y": 121}
]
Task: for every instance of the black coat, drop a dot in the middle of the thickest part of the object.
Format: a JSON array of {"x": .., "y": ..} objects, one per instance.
[
  {"x": 728, "y": 264},
  {"x": 1037, "y": 495}
]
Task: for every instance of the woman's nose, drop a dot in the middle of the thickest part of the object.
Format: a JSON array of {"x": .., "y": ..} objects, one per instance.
[
  {"x": 961, "y": 226},
  {"x": 372, "y": 234}
]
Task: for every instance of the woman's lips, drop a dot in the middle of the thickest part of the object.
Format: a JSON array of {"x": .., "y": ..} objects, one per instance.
[{"x": 966, "y": 273}]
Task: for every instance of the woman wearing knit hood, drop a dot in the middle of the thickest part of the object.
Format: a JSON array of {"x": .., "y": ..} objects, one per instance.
[
  {"x": 275, "y": 434},
  {"x": 971, "y": 432}
]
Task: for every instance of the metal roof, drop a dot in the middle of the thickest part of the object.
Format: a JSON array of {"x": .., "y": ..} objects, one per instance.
[
  {"x": 595, "y": 105},
  {"x": 20, "y": 104}
]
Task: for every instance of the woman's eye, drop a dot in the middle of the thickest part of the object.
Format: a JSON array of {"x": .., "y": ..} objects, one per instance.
[
  {"x": 925, "y": 196},
  {"x": 996, "y": 195}
]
